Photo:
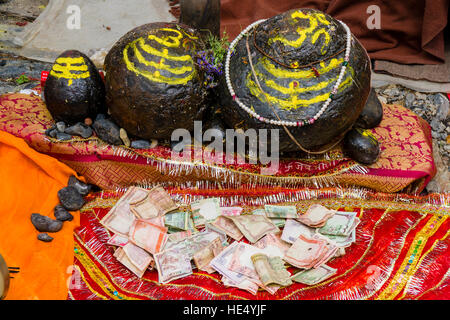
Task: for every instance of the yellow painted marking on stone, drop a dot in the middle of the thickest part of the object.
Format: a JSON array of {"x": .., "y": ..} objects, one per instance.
[
  {"x": 169, "y": 42},
  {"x": 293, "y": 102},
  {"x": 65, "y": 68},
  {"x": 161, "y": 64},
  {"x": 305, "y": 32},
  {"x": 295, "y": 87},
  {"x": 299, "y": 74}
]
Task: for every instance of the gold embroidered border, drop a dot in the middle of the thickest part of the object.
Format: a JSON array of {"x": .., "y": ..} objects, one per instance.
[{"x": 401, "y": 277}]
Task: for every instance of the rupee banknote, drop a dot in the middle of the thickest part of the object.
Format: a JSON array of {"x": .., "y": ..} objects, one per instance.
[
  {"x": 205, "y": 210},
  {"x": 272, "y": 245},
  {"x": 138, "y": 256},
  {"x": 293, "y": 229},
  {"x": 231, "y": 211},
  {"x": 340, "y": 224},
  {"x": 203, "y": 257},
  {"x": 121, "y": 256},
  {"x": 178, "y": 220},
  {"x": 316, "y": 216},
  {"x": 304, "y": 252},
  {"x": 120, "y": 218},
  {"x": 314, "y": 276},
  {"x": 254, "y": 227},
  {"x": 118, "y": 240},
  {"x": 271, "y": 270},
  {"x": 157, "y": 203},
  {"x": 172, "y": 264},
  {"x": 283, "y": 212},
  {"x": 279, "y": 222},
  {"x": 148, "y": 236},
  {"x": 228, "y": 227}
]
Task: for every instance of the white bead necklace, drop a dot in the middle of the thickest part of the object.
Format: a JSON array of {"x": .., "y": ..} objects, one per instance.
[{"x": 278, "y": 122}]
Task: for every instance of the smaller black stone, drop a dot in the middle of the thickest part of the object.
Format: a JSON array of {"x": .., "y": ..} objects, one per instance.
[
  {"x": 2, "y": 62},
  {"x": 62, "y": 214},
  {"x": 108, "y": 131},
  {"x": 49, "y": 130},
  {"x": 82, "y": 188},
  {"x": 45, "y": 224},
  {"x": 79, "y": 129},
  {"x": 44, "y": 237},
  {"x": 63, "y": 136},
  {"x": 140, "y": 144},
  {"x": 70, "y": 198},
  {"x": 61, "y": 126}
]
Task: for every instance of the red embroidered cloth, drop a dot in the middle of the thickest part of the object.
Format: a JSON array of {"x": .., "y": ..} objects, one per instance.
[
  {"x": 406, "y": 162},
  {"x": 402, "y": 250}
]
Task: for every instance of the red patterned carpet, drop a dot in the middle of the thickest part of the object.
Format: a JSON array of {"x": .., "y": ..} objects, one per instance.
[{"x": 402, "y": 250}]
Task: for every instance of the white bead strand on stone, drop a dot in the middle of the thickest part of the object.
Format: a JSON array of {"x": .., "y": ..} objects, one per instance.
[{"x": 278, "y": 122}]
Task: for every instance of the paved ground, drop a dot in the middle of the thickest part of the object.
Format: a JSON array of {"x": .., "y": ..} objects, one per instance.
[{"x": 432, "y": 107}]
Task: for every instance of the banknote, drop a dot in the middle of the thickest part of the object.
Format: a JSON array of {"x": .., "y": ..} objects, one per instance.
[
  {"x": 241, "y": 261},
  {"x": 314, "y": 276},
  {"x": 231, "y": 211},
  {"x": 271, "y": 270},
  {"x": 178, "y": 236},
  {"x": 221, "y": 261},
  {"x": 118, "y": 240},
  {"x": 304, "y": 252},
  {"x": 205, "y": 210},
  {"x": 194, "y": 243},
  {"x": 121, "y": 256},
  {"x": 177, "y": 220},
  {"x": 120, "y": 218},
  {"x": 190, "y": 226},
  {"x": 139, "y": 257},
  {"x": 316, "y": 216},
  {"x": 279, "y": 222},
  {"x": 245, "y": 284},
  {"x": 172, "y": 264},
  {"x": 159, "y": 221},
  {"x": 223, "y": 235},
  {"x": 228, "y": 227},
  {"x": 342, "y": 241},
  {"x": 157, "y": 203},
  {"x": 281, "y": 211},
  {"x": 203, "y": 257},
  {"x": 293, "y": 229},
  {"x": 254, "y": 227},
  {"x": 328, "y": 252},
  {"x": 272, "y": 245},
  {"x": 340, "y": 224},
  {"x": 148, "y": 236}
]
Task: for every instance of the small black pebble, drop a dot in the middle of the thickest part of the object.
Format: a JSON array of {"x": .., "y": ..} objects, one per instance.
[
  {"x": 62, "y": 214},
  {"x": 82, "y": 188},
  {"x": 70, "y": 198},
  {"x": 44, "y": 237},
  {"x": 45, "y": 224}
]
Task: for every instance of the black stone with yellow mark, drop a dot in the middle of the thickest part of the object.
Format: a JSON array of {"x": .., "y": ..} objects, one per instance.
[
  {"x": 297, "y": 57},
  {"x": 361, "y": 145},
  {"x": 74, "y": 89},
  {"x": 153, "y": 85}
]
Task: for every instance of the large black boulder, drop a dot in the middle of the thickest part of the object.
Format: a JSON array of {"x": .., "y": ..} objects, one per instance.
[{"x": 153, "y": 81}]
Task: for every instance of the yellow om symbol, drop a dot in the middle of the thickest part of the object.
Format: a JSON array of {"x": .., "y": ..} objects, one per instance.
[
  {"x": 314, "y": 19},
  {"x": 70, "y": 68}
]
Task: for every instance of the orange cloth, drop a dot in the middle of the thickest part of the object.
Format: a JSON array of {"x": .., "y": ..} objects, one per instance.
[{"x": 29, "y": 184}]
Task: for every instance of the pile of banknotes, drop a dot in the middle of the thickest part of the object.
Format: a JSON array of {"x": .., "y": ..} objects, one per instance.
[{"x": 265, "y": 249}]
